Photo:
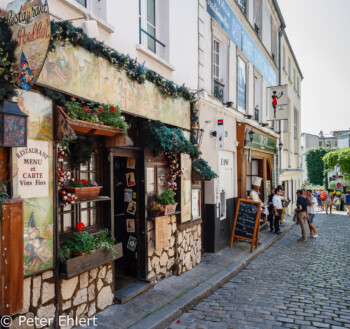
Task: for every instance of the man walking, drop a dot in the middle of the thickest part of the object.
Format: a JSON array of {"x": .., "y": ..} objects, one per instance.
[
  {"x": 277, "y": 206},
  {"x": 312, "y": 212},
  {"x": 271, "y": 209},
  {"x": 302, "y": 213}
]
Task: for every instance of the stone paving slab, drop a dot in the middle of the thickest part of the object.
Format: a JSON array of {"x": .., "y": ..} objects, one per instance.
[{"x": 173, "y": 296}]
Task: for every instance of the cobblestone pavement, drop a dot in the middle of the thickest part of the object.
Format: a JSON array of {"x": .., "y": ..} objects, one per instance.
[{"x": 291, "y": 285}]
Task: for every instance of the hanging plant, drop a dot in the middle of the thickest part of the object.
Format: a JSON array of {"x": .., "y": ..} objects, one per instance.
[
  {"x": 8, "y": 75},
  {"x": 163, "y": 139},
  {"x": 82, "y": 149},
  {"x": 174, "y": 171},
  {"x": 202, "y": 167}
]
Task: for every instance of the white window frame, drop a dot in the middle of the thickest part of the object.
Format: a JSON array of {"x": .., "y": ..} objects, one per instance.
[
  {"x": 216, "y": 41},
  {"x": 143, "y": 23},
  {"x": 239, "y": 57}
]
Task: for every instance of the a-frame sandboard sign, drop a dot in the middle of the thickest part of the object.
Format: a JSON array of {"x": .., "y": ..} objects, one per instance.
[{"x": 246, "y": 223}]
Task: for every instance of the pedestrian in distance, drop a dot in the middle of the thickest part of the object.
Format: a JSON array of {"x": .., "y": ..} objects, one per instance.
[
  {"x": 347, "y": 202},
  {"x": 302, "y": 213},
  {"x": 329, "y": 202},
  {"x": 277, "y": 206},
  {"x": 271, "y": 210},
  {"x": 312, "y": 212},
  {"x": 319, "y": 201},
  {"x": 314, "y": 193},
  {"x": 323, "y": 198}
]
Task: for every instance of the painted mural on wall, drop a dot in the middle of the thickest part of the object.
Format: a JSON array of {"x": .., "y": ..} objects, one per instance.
[
  {"x": 76, "y": 71},
  {"x": 33, "y": 181},
  {"x": 29, "y": 21}
]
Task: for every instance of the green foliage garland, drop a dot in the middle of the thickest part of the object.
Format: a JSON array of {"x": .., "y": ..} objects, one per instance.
[
  {"x": 161, "y": 139},
  {"x": 63, "y": 32},
  {"x": 8, "y": 74},
  {"x": 314, "y": 164},
  {"x": 202, "y": 167}
]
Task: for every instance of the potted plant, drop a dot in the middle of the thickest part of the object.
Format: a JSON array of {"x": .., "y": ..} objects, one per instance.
[
  {"x": 167, "y": 200},
  {"x": 155, "y": 208},
  {"x": 84, "y": 251},
  {"x": 83, "y": 189}
]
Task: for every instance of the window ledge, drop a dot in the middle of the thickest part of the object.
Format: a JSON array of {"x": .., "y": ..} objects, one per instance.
[
  {"x": 81, "y": 9},
  {"x": 143, "y": 49}
]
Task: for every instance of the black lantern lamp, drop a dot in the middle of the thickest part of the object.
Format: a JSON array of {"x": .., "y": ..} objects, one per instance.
[
  {"x": 13, "y": 125},
  {"x": 280, "y": 145},
  {"x": 251, "y": 135},
  {"x": 197, "y": 134}
]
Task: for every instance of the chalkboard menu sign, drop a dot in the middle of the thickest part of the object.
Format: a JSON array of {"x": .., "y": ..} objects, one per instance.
[{"x": 246, "y": 221}]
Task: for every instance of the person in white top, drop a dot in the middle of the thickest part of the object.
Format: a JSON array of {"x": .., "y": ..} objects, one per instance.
[
  {"x": 277, "y": 206},
  {"x": 254, "y": 193},
  {"x": 312, "y": 212}
]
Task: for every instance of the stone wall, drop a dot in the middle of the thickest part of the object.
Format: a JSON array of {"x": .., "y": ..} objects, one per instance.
[
  {"x": 161, "y": 262},
  {"x": 82, "y": 296},
  {"x": 182, "y": 254},
  {"x": 38, "y": 298},
  {"x": 88, "y": 293},
  {"x": 188, "y": 248}
]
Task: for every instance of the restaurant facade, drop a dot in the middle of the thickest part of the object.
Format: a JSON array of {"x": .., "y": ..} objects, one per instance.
[{"x": 97, "y": 121}]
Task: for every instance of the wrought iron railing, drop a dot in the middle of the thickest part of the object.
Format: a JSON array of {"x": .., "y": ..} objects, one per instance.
[
  {"x": 219, "y": 90},
  {"x": 156, "y": 41}
]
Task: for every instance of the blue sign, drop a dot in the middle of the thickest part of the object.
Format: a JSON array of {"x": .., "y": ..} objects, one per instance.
[{"x": 224, "y": 15}]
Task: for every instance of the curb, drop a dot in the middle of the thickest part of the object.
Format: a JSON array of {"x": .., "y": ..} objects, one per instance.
[{"x": 170, "y": 312}]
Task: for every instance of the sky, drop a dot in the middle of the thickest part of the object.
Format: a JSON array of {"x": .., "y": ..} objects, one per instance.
[{"x": 319, "y": 32}]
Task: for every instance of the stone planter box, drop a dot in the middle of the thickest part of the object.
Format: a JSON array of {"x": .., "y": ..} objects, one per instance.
[
  {"x": 84, "y": 193},
  {"x": 77, "y": 265}
]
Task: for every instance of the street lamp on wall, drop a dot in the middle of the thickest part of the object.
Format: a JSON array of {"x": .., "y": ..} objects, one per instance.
[
  {"x": 13, "y": 125},
  {"x": 197, "y": 134},
  {"x": 251, "y": 135},
  {"x": 280, "y": 145}
]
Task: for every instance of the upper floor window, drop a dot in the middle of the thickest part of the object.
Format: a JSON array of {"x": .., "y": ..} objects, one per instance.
[
  {"x": 243, "y": 5},
  {"x": 320, "y": 143},
  {"x": 82, "y": 2},
  {"x": 216, "y": 60},
  {"x": 258, "y": 97},
  {"x": 147, "y": 23},
  {"x": 289, "y": 69},
  {"x": 218, "y": 70},
  {"x": 284, "y": 58},
  {"x": 296, "y": 120},
  {"x": 241, "y": 84},
  {"x": 258, "y": 17}
]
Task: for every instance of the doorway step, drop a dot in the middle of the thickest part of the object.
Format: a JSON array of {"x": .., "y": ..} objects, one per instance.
[{"x": 132, "y": 290}]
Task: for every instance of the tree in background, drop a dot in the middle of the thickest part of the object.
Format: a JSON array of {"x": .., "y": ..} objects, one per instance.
[
  {"x": 315, "y": 165},
  {"x": 340, "y": 157}
]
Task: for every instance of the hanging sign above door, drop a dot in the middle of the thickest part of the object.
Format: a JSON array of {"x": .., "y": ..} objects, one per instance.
[{"x": 29, "y": 22}]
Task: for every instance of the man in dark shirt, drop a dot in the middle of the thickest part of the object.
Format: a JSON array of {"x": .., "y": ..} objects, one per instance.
[
  {"x": 271, "y": 211},
  {"x": 302, "y": 213}
]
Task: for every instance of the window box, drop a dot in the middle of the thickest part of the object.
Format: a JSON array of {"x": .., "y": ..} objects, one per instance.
[
  {"x": 169, "y": 209},
  {"x": 90, "y": 128},
  {"x": 77, "y": 265},
  {"x": 84, "y": 193}
]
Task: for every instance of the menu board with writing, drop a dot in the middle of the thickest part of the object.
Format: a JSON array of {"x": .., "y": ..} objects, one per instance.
[
  {"x": 161, "y": 232},
  {"x": 246, "y": 221}
]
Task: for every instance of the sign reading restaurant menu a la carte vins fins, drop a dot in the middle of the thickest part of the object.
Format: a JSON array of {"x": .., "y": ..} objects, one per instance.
[{"x": 33, "y": 169}]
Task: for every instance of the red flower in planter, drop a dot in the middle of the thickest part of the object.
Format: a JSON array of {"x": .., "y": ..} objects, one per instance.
[
  {"x": 96, "y": 111},
  {"x": 112, "y": 109},
  {"x": 102, "y": 110},
  {"x": 84, "y": 181},
  {"x": 80, "y": 227}
]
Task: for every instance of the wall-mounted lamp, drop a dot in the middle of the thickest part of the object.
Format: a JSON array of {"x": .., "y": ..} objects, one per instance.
[
  {"x": 251, "y": 135},
  {"x": 264, "y": 124},
  {"x": 213, "y": 133},
  {"x": 197, "y": 134},
  {"x": 89, "y": 25},
  {"x": 248, "y": 116},
  {"x": 280, "y": 145},
  {"x": 13, "y": 125}
]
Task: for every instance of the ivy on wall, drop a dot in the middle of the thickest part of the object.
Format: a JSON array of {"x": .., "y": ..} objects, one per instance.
[{"x": 8, "y": 74}]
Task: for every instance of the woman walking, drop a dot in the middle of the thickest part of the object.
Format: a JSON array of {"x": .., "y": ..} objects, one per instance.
[
  {"x": 323, "y": 198},
  {"x": 329, "y": 201},
  {"x": 347, "y": 202}
]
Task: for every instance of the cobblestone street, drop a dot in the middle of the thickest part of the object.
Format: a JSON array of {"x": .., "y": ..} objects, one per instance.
[{"x": 292, "y": 284}]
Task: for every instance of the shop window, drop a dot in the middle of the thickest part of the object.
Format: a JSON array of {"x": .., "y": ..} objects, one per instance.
[{"x": 86, "y": 212}]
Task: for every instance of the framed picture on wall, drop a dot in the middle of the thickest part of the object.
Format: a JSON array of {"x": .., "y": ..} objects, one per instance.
[
  {"x": 130, "y": 225},
  {"x": 130, "y": 179},
  {"x": 131, "y": 163}
]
